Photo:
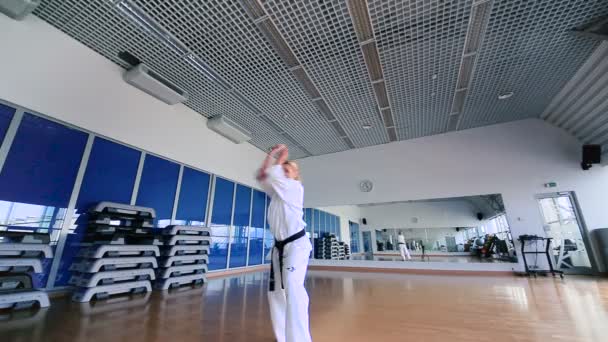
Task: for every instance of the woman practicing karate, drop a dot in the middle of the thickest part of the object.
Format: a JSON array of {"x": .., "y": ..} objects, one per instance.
[{"x": 287, "y": 296}]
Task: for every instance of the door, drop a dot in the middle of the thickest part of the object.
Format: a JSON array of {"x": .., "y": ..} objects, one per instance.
[
  {"x": 562, "y": 222},
  {"x": 367, "y": 242}
]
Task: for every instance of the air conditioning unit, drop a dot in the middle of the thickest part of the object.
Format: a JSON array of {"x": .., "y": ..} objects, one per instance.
[
  {"x": 145, "y": 79},
  {"x": 18, "y": 9},
  {"x": 229, "y": 129}
]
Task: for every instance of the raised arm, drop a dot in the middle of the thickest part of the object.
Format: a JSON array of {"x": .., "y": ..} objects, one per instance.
[{"x": 269, "y": 160}]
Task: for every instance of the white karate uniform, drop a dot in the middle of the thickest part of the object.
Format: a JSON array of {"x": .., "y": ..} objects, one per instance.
[
  {"x": 403, "y": 248},
  {"x": 288, "y": 306}
]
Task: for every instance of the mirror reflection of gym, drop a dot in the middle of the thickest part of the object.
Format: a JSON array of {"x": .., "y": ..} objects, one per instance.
[{"x": 464, "y": 230}]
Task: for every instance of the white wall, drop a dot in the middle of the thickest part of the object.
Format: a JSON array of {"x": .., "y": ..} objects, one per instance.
[
  {"x": 45, "y": 70},
  {"x": 514, "y": 159},
  {"x": 452, "y": 213}
]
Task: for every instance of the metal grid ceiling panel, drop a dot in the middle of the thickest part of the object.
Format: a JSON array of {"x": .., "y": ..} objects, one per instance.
[
  {"x": 102, "y": 28},
  {"x": 528, "y": 49},
  {"x": 581, "y": 107},
  {"x": 420, "y": 44},
  {"x": 322, "y": 36},
  {"x": 222, "y": 34}
]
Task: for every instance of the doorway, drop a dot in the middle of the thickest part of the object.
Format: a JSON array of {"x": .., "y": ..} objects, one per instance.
[
  {"x": 367, "y": 241},
  {"x": 562, "y": 222}
]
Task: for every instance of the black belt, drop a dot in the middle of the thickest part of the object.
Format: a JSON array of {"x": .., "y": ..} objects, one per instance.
[{"x": 280, "y": 245}]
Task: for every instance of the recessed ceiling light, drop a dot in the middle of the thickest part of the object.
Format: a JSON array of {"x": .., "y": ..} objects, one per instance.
[
  {"x": 434, "y": 76},
  {"x": 505, "y": 95},
  {"x": 433, "y": 94},
  {"x": 366, "y": 126},
  {"x": 285, "y": 116}
]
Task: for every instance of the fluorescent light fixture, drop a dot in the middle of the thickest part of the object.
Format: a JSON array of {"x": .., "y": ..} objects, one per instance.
[
  {"x": 366, "y": 126},
  {"x": 505, "y": 95},
  {"x": 139, "y": 17}
]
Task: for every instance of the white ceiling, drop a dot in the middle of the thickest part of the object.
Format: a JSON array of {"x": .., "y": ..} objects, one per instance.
[{"x": 312, "y": 73}]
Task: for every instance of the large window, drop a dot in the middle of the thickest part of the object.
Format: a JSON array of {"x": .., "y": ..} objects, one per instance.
[
  {"x": 256, "y": 231},
  {"x": 193, "y": 196},
  {"x": 37, "y": 179},
  {"x": 39, "y": 175},
  {"x": 354, "y": 237},
  {"x": 109, "y": 176},
  {"x": 240, "y": 227},
  {"x": 6, "y": 116},
  {"x": 157, "y": 188},
  {"x": 220, "y": 223},
  {"x": 268, "y": 238}
]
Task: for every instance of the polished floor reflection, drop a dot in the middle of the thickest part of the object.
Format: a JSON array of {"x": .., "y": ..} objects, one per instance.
[
  {"x": 344, "y": 307},
  {"x": 461, "y": 259}
]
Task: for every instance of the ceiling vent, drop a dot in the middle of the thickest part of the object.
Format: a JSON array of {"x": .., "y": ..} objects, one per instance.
[
  {"x": 229, "y": 129},
  {"x": 154, "y": 84},
  {"x": 18, "y": 9}
]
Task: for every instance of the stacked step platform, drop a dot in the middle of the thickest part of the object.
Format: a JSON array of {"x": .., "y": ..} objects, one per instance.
[
  {"x": 118, "y": 254},
  {"x": 341, "y": 251},
  {"x": 21, "y": 253},
  {"x": 184, "y": 257},
  {"x": 327, "y": 247},
  {"x": 346, "y": 251}
]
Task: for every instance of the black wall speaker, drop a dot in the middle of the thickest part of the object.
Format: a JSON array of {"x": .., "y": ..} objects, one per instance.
[
  {"x": 479, "y": 216},
  {"x": 364, "y": 220},
  {"x": 457, "y": 229},
  {"x": 592, "y": 154}
]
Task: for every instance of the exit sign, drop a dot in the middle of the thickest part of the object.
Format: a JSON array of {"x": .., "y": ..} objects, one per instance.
[{"x": 550, "y": 185}]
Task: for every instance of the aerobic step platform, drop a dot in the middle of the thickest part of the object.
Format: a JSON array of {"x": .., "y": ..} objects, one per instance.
[
  {"x": 27, "y": 250},
  {"x": 102, "y": 251},
  {"x": 120, "y": 210},
  {"x": 187, "y": 240},
  {"x": 110, "y": 264},
  {"x": 185, "y": 250},
  {"x": 26, "y": 298},
  {"x": 186, "y": 230},
  {"x": 175, "y": 271},
  {"x": 179, "y": 260},
  {"x": 24, "y": 237},
  {"x": 104, "y": 291},
  {"x": 20, "y": 265},
  {"x": 112, "y": 277},
  {"x": 15, "y": 281},
  {"x": 193, "y": 279}
]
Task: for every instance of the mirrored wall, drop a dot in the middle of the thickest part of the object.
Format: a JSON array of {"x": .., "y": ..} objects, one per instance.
[{"x": 463, "y": 229}]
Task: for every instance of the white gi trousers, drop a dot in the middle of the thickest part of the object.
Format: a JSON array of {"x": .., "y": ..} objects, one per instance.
[
  {"x": 289, "y": 306},
  {"x": 403, "y": 251}
]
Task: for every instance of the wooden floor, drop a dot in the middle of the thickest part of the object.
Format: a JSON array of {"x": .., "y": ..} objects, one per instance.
[{"x": 344, "y": 307}]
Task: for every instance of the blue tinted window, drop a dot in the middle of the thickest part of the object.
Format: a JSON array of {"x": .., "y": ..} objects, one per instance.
[
  {"x": 38, "y": 177},
  {"x": 219, "y": 252},
  {"x": 317, "y": 222},
  {"x": 354, "y": 237},
  {"x": 157, "y": 188},
  {"x": 238, "y": 247},
  {"x": 238, "y": 242},
  {"x": 256, "y": 245},
  {"x": 109, "y": 176},
  {"x": 259, "y": 207},
  {"x": 193, "y": 196},
  {"x": 222, "y": 201},
  {"x": 242, "y": 205},
  {"x": 220, "y": 223},
  {"x": 256, "y": 232},
  {"x": 6, "y": 115}
]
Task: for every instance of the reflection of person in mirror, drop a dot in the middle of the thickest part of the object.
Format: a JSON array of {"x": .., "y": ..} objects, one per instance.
[
  {"x": 403, "y": 247},
  {"x": 287, "y": 296}
]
